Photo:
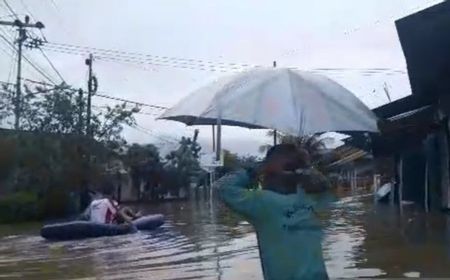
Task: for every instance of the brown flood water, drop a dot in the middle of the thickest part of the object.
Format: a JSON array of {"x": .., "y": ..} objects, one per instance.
[{"x": 203, "y": 242}]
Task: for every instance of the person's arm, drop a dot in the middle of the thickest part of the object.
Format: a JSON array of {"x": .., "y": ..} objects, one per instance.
[
  {"x": 126, "y": 214},
  {"x": 233, "y": 191},
  {"x": 318, "y": 187},
  {"x": 86, "y": 215},
  {"x": 113, "y": 206}
]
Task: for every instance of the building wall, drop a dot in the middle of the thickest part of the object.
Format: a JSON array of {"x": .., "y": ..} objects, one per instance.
[{"x": 423, "y": 174}]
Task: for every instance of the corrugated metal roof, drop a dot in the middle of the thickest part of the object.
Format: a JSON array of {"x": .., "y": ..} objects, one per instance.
[
  {"x": 348, "y": 154},
  {"x": 409, "y": 113}
]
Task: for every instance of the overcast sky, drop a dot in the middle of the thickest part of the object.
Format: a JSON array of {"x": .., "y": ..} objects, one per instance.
[{"x": 308, "y": 34}]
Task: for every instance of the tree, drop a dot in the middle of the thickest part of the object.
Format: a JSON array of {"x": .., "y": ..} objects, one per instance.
[
  {"x": 6, "y": 105},
  {"x": 182, "y": 165},
  {"x": 145, "y": 166},
  {"x": 270, "y": 133},
  {"x": 52, "y": 152},
  {"x": 232, "y": 161},
  {"x": 314, "y": 144},
  {"x": 58, "y": 110}
]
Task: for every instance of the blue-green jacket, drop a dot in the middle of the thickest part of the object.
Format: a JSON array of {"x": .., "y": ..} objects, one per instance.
[{"x": 289, "y": 233}]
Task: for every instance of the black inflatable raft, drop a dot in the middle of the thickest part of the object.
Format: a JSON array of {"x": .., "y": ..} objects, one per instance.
[{"x": 83, "y": 229}]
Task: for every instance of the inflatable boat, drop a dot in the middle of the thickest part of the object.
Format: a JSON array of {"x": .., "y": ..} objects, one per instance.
[{"x": 84, "y": 229}]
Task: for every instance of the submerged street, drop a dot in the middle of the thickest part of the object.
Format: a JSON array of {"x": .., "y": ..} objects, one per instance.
[{"x": 199, "y": 242}]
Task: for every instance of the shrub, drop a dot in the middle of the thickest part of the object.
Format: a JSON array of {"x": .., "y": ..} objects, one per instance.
[
  {"x": 19, "y": 207},
  {"x": 55, "y": 203}
]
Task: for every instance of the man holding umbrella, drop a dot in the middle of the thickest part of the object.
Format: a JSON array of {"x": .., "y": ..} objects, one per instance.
[
  {"x": 295, "y": 103},
  {"x": 283, "y": 212}
]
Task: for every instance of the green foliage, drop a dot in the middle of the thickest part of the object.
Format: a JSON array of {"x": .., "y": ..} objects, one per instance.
[
  {"x": 40, "y": 161},
  {"x": 141, "y": 155},
  {"x": 183, "y": 163},
  {"x": 107, "y": 126},
  {"x": 27, "y": 206},
  {"x": 50, "y": 155},
  {"x": 233, "y": 161},
  {"x": 60, "y": 110},
  {"x": 56, "y": 203},
  {"x": 20, "y": 206},
  {"x": 313, "y": 144},
  {"x": 6, "y": 105},
  {"x": 144, "y": 163}
]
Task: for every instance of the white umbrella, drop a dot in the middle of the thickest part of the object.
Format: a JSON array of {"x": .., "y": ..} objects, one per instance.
[{"x": 293, "y": 102}]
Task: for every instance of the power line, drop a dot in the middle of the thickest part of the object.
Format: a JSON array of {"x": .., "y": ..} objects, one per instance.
[
  {"x": 104, "y": 95},
  {"x": 9, "y": 35},
  {"x": 7, "y": 16},
  {"x": 130, "y": 101},
  {"x": 54, "y": 5},
  {"x": 52, "y": 65},
  {"x": 13, "y": 66},
  {"x": 42, "y": 51},
  {"x": 135, "y": 60},
  {"x": 38, "y": 82},
  {"x": 40, "y": 71},
  {"x": 152, "y": 133},
  {"x": 7, "y": 52},
  {"x": 195, "y": 64},
  {"x": 151, "y": 57},
  {"x": 166, "y": 59},
  {"x": 6, "y": 83},
  {"x": 10, "y": 9}
]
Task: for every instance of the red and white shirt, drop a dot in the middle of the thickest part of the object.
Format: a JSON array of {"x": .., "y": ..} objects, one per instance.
[{"x": 103, "y": 211}]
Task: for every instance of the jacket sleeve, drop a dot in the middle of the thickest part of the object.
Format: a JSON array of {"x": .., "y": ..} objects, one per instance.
[{"x": 234, "y": 193}]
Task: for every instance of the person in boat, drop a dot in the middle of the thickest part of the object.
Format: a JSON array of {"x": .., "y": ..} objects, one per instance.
[
  {"x": 283, "y": 212},
  {"x": 106, "y": 210}
]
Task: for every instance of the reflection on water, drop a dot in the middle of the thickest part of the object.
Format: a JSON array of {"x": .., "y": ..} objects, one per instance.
[{"x": 203, "y": 242}]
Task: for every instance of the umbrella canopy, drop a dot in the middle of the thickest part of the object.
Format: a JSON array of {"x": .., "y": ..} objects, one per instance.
[{"x": 293, "y": 102}]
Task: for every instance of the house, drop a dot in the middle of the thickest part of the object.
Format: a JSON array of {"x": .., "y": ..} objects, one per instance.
[
  {"x": 116, "y": 172},
  {"x": 415, "y": 129},
  {"x": 350, "y": 166}
]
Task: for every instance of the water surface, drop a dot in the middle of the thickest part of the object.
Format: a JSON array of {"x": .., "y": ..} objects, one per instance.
[{"x": 204, "y": 240}]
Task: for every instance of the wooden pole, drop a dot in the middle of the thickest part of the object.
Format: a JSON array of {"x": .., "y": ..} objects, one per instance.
[
  {"x": 399, "y": 171},
  {"x": 376, "y": 182},
  {"x": 213, "y": 138},
  {"x": 400, "y": 186},
  {"x": 444, "y": 165},
  {"x": 426, "y": 188},
  {"x": 219, "y": 137},
  {"x": 275, "y": 131}
]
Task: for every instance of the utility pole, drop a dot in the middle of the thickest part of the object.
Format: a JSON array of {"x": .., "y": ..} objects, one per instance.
[
  {"x": 22, "y": 29},
  {"x": 275, "y": 131},
  {"x": 80, "y": 111},
  {"x": 92, "y": 88}
]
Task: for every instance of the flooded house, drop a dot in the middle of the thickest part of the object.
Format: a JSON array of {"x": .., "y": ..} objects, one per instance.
[
  {"x": 350, "y": 167},
  {"x": 415, "y": 129}
]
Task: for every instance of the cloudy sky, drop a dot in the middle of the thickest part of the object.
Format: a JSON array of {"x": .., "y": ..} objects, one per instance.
[{"x": 355, "y": 36}]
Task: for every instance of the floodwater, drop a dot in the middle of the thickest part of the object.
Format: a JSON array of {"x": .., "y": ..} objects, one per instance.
[{"x": 203, "y": 242}]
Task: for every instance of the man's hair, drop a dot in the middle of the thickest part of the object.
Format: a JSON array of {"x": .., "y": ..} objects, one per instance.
[
  {"x": 296, "y": 158},
  {"x": 290, "y": 150}
]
